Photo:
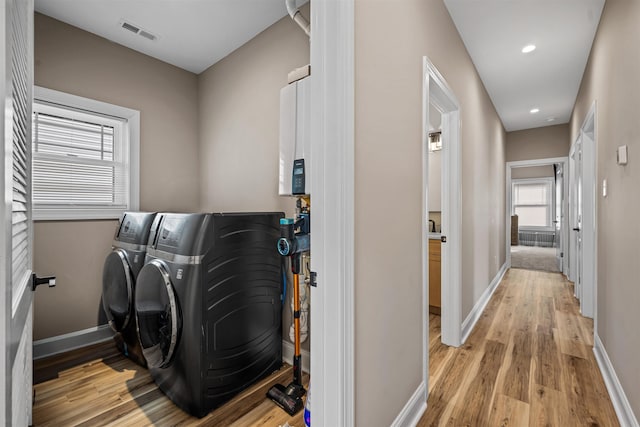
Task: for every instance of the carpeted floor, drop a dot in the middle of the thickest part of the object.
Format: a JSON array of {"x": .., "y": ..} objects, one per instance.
[{"x": 534, "y": 258}]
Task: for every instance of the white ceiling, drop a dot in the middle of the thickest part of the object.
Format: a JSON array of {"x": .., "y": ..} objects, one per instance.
[
  {"x": 195, "y": 34},
  {"x": 494, "y": 33},
  {"x": 192, "y": 34}
]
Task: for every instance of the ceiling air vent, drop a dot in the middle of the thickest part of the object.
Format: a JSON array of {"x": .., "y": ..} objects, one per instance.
[
  {"x": 137, "y": 30},
  {"x": 130, "y": 27},
  {"x": 146, "y": 35}
]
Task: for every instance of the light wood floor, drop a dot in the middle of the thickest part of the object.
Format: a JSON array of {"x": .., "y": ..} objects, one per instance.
[
  {"x": 528, "y": 362},
  {"x": 111, "y": 390}
]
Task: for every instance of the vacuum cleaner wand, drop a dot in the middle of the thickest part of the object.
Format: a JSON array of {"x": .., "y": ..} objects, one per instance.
[
  {"x": 293, "y": 245},
  {"x": 297, "y": 368}
]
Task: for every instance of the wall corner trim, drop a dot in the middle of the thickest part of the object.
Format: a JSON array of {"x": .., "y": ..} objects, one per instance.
[
  {"x": 413, "y": 410},
  {"x": 71, "y": 341},
  {"x": 478, "y": 308},
  {"x": 287, "y": 355},
  {"x": 621, "y": 404},
  {"x": 332, "y": 188}
]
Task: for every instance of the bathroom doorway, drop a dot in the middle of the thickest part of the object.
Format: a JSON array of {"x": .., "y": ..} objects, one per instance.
[{"x": 442, "y": 224}]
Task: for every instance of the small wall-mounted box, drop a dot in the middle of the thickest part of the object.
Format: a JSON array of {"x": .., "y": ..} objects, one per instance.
[{"x": 622, "y": 155}]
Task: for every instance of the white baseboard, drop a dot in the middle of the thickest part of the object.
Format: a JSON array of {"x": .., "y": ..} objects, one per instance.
[
  {"x": 621, "y": 404},
  {"x": 71, "y": 341},
  {"x": 287, "y": 355},
  {"x": 413, "y": 410},
  {"x": 476, "y": 312}
]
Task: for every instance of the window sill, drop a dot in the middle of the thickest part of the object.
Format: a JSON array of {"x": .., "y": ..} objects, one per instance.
[{"x": 77, "y": 214}]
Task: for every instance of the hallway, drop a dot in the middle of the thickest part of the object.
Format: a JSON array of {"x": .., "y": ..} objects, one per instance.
[{"x": 528, "y": 362}]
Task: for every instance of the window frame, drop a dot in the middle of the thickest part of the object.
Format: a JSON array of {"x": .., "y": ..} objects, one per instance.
[
  {"x": 549, "y": 182},
  {"x": 131, "y": 137}
]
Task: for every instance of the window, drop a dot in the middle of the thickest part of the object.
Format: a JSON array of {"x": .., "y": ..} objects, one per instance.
[
  {"x": 533, "y": 202},
  {"x": 85, "y": 157}
]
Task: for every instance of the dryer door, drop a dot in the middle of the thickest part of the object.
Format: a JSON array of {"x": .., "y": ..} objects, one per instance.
[
  {"x": 158, "y": 315},
  {"x": 117, "y": 289}
]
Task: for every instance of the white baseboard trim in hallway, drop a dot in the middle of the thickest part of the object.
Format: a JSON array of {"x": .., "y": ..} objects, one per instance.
[
  {"x": 71, "y": 341},
  {"x": 476, "y": 312},
  {"x": 626, "y": 417},
  {"x": 287, "y": 355},
  {"x": 413, "y": 410}
]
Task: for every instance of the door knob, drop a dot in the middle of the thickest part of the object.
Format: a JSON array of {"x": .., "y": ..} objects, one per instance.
[{"x": 576, "y": 229}]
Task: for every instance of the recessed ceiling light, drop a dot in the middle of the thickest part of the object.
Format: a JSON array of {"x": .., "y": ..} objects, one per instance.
[
  {"x": 529, "y": 48},
  {"x": 551, "y": 119},
  {"x": 534, "y": 110}
]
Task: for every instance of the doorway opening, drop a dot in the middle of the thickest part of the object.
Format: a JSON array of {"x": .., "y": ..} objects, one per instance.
[
  {"x": 442, "y": 211},
  {"x": 537, "y": 210},
  {"x": 537, "y": 222}
]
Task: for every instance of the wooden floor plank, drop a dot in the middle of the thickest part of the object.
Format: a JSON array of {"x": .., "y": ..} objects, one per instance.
[
  {"x": 117, "y": 392},
  {"x": 442, "y": 396},
  {"x": 546, "y": 360},
  {"x": 50, "y": 367},
  {"x": 516, "y": 378},
  {"x": 528, "y": 362},
  {"x": 584, "y": 391},
  {"x": 549, "y": 408},
  {"x": 570, "y": 336},
  {"x": 473, "y": 406},
  {"x": 507, "y": 412}
]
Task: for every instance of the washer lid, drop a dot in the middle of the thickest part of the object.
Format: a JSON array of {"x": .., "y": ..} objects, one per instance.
[
  {"x": 157, "y": 312},
  {"x": 117, "y": 290}
]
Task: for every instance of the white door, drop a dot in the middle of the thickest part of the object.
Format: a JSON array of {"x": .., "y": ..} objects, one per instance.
[
  {"x": 576, "y": 224},
  {"x": 16, "y": 81},
  {"x": 559, "y": 197},
  {"x": 571, "y": 243}
]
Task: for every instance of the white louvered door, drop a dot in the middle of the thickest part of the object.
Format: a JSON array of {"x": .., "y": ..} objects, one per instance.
[{"x": 16, "y": 244}]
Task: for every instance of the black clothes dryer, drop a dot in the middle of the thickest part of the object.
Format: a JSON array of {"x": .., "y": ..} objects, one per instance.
[
  {"x": 119, "y": 275},
  {"x": 208, "y": 305}
]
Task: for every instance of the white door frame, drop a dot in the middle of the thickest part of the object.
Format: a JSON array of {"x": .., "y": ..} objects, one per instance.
[
  {"x": 565, "y": 221},
  {"x": 332, "y": 227},
  {"x": 571, "y": 181},
  {"x": 588, "y": 135},
  {"x": 437, "y": 92}
]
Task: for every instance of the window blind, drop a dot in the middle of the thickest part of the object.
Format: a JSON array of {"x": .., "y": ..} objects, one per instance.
[
  {"x": 78, "y": 160},
  {"x": 532, "y": 203}
]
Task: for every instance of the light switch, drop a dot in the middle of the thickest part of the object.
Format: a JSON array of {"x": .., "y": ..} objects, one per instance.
[
  {"x": 604, "y": 188},
  {"x": 622, "y": 155}
]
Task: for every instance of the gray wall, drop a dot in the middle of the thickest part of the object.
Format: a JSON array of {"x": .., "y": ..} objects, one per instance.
[
  {"x": 208, "y": 142},
  {"x": 538, "y": 143},
  {"x": 239, "y": 117},
  {"x": 74, "y": 61},
  {"x": 611, "y": 79},
  {"x": 390, "y": 41},
  {"x": 532, "y": 172}
]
